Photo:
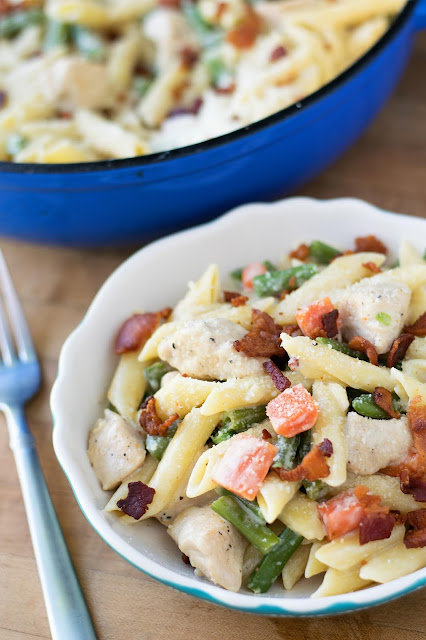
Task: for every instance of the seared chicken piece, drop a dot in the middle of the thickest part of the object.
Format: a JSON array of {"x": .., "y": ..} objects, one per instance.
[
  {"x": 213, "y": 545},
  {"x": 203, "y": 348},
  {"x": 115, "y": 449},
  {"x": 375, "y": 311},
  {"x": 375, "y": 444},
  {"x": 72, "y": 82}
]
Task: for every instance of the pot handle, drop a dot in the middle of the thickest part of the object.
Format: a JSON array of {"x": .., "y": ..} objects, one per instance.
[{"x": 420, "y": 15}]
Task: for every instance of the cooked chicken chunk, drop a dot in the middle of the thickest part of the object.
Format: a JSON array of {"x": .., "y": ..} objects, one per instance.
[
  {"x": 115, "y": 450},
  {"x": 375, "y": 444},
  {"x": 72, "y": 82},
  {"x": 203, "y": 348},
  {"x": 213, "y": 545},
  {"x": 375, "y": 311},
  {"x": 171, "y": 33}
]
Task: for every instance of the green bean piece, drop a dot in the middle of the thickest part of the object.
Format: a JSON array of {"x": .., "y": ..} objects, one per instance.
[
  {"x": 364, "y": 405},
  {"x": 273, "y": 282},
  {"x": 208, "y": 36},
  {"x": 248, "y": 504},
  {"x": 321, "y": 252},
  {"x": 58, "y": 34},
  {"x": 269, "y": 265},
  {"x": 13, "y": 23},
  {"x": 304, "y": 446},
  {"x": 141, "y": 84},
  {"x": 316, "y": 489},
  {"x": 237, "y": 274},
  {"x": 287, "y": 450},
  {"x": 89, "y": 43},
  {"x": 156, "y": 445},
  {"x": 271, "y": 565},
  {"x": 15, "y": 143},
  {"x": 237, "y": 421},
  {"x": 246, "y": 522},
  {"x": 342, "y": 347},
  {"x": 154, "y": 374}
]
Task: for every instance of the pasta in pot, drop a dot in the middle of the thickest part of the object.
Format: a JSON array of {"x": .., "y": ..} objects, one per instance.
[
  {"x": 265, "y": 443},
  {"x": 86, "y": 80}
]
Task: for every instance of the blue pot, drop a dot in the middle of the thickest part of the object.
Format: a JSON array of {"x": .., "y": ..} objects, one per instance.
[{"x": 122, "y": 201}]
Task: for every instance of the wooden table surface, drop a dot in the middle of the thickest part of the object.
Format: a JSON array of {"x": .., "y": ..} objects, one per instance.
[{"x": 387, "y": 167}]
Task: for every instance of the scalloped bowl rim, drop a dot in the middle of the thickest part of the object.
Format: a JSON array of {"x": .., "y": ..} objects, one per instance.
[{"x": 283, "y": 212}]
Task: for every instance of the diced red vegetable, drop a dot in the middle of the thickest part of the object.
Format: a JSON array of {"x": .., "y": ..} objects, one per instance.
[
  {"x": 293, "y": 411},
  {"x": 309, "y": 318},
  {"x": 250, "y": 271}
]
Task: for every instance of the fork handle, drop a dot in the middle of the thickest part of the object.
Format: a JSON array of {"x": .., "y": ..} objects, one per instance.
[{"x": 69, "y": 618}]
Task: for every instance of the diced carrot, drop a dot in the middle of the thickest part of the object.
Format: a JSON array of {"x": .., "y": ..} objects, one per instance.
[
  {"x": 309, "y": 318},
  {"x": 250, "y": 271},
  {"x": 244, "y": 465},
  {"x": 293, "y": 411},
  {"x": 341, "y": 514}
]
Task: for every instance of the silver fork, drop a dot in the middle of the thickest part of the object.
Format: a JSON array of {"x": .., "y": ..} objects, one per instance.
[{"x": 20, "y": 379}]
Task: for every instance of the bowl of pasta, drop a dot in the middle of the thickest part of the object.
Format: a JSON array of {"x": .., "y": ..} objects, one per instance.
[
  {"x": 255, "y": 439},
  {"x": 117, "y": 118}
]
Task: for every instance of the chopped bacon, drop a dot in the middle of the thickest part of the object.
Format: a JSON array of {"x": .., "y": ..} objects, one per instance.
[
  {"x": 362, "y": 344},
  {"x": 235, "y": 298},
  {"x": 263, "y": 339},
  {"x": 192, "y": 109},
  {"x": 414, "y": 483},
  {"x": 137, "y": 500},
  {"x": 244, "y": 35},
  {"x": 189, "y": 57},
  {"x": 415, "y": 539},
  {"x": 3, "y": 97},
  {"x": 399, "y": 349},
  {"x": 313, "y": 466},
  {"x": 301, "y": 253},
  {"x": 170, "y": 4},
  {"x": 417, "y": 420},
  {"x": 277, "y": 376},
  {"x": 185, "y": 559},
  {"x": 369, "y": 243},
  {"x": 289, "y": 328},
  {"x": 372, "y": 266},
  {"x": 416, "y": 519},
  {"x": 266, "y": 435},
  {"x": 329, "y": 323},
  {"x": 383, "y": 399},
  {"x": 149, "y": 420},
  {"x": 136, "y": 330},
  {"x": 418, "y": 328},
  {"x": 376, "y": 526},
  {"x": 278, "y": 53}
]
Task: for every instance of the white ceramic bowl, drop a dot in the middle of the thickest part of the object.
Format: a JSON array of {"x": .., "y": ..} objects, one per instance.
[{"x": 155, "y": 277}]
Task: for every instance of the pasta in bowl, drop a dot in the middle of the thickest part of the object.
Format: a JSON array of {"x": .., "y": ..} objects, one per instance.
[
  {"x": 263, "y": 473},
  {"x": 85, "y": 80}
]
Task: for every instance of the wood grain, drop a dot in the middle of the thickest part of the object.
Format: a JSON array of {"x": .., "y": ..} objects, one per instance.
[{"x": 387, "y": 167}]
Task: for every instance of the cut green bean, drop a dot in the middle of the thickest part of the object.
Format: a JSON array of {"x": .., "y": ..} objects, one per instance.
[
  {"x": 154, "y": 374},
  {"x": 237, "y": 421},
  {"x": 364, "y": 405},
  {"x": 273, "y": 282},
  {"x": 246, "y": 522},
  {"x": 316, "y": 489},
  {"x": 270, "y": 567},
  {"x": 208, "y": 36},
  {"x": 304, "y": 446},
  {"x": 342, "y": 347},
  {"x": 252, "y": 505},
  {"x": 156, "y": 445},
  {"x": 237, "y": 274},
  {"x": 89, "y": 43},
  {"x": 269, "y": 265},
  {"x": 322, "y": 253},
  {"x": 58, "y": 34},
  {"x": 13, "y": 23},
  {"x": 287, "y": 450}
]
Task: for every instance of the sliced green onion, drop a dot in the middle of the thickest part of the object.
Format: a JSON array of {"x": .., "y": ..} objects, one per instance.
[{"x": 384, "y": 318}]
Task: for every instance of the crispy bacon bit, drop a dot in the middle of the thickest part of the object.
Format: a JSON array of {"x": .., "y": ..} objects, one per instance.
[
  {"x": 244, "y": 35},
  {"x": 414, "y": 483},
  {"x": 189, "y": 57},
  {"x": 369, "y": 243},
  {"x": 185, "y": 559},
  {"x": 277, "y": 376},
  {"x": 376, "y": 526},
  {"x": 292, "y": 282},
  {"x": 263, "y": 339},
  {"x": 416, "y": 519},
  {"x": 278, "y": 53},
  {"x": 135, "y": 331},
  {"x": 399, "y": 349},
  {"x": 383, "y": 399},
  {"x": 224, "y": 89},
  {"x": 170, "y": 4},
  {"x": 417, "y": 420},
  {"x": 289, "y": 328},
  {"x": 372, "y": 266},
  {"x": 301, "y": 253},
  {"x": 415, "y": 539},
  {"x": 313, "y": 466},
  {"x": 329, "y": 323},
  {"x": 193, "y": 109},
  {"x": 235, "y": 298},
  {"x": 137, "y": 500},
  {"x": 362, "y": 344},
  {"x": 266, "y": 435},
  {"x": 149, "y": 420},
  {"x": 418, "y": 328}
]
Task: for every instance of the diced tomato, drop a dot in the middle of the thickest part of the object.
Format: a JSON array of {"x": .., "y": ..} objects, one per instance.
[
  {"x": 341, "y": 514},
  {"x": 309, "y": 318},
  {"x": 250, "y": 271},
  {"x": 244, "y": 465},
  {"x": 293, "y": 411}
]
